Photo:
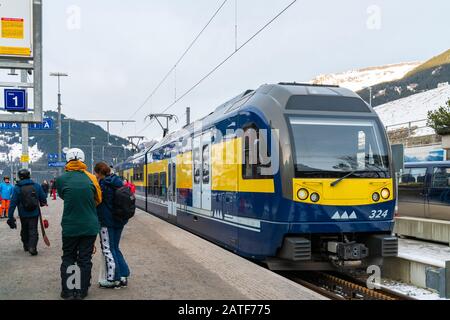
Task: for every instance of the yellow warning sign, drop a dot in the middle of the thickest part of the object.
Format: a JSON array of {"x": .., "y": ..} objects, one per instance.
[
  {"x": 25, "y": 158},
  {"x": 13, "y": 28}
]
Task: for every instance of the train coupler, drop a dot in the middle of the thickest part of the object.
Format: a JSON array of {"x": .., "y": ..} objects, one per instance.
[{"x": 351, "y": 251}]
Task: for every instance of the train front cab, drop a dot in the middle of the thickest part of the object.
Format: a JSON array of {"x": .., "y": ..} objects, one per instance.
[{"x": 342, "y": 186}]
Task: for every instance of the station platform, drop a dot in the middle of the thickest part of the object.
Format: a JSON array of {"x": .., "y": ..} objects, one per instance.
[
  {"x": 167, "y": 263},
  {"x": 423, "y": 264},
  {"x": 421, "y": 228}
]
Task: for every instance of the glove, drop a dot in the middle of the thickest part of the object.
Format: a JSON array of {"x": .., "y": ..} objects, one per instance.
[{"x": 12, "y": 223}]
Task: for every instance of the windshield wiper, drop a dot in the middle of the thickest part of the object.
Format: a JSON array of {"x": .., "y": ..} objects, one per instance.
[{"x": 335, "y": 183}]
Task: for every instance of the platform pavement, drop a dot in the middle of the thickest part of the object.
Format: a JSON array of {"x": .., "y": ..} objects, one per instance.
[{"x": 166, "y": 263}]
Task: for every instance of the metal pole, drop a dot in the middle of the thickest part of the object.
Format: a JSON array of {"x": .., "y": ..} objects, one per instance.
[
  {"x": 59, "y": 121},
  {"x": 188, "y": 116},
  {"x": 70, "y": 134},
  {"x": 25, "y": 137},
  {"x": 92, "y": 155},
  {"x": 107, "y": 125},
  {"x": 103, "y": 153},
  {"x": 370, "y": 92}
]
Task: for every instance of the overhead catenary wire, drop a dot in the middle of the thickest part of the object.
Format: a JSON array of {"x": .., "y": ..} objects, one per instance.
[
  {"x": 179, "y": 59},
  {"x": 223, "y": 62}
]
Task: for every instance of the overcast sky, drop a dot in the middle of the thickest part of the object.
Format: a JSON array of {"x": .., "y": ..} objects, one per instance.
[{"x": 117, "y": 51}]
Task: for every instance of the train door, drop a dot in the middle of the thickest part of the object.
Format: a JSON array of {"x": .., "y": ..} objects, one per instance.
[
  {"x": 201, "y": 197},
  {"x": 172, "y": 188},
  {"x": 206, "y": 171},
  {"x": 197, "y": 174}
]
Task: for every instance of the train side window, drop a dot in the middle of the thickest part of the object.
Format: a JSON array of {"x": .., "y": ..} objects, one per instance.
[
  {"x": 156, "y": 184},
  {"x": 441, "y": 178},
  {"x": 413, "y": 177},
  {"x": 150, "y": 184},
  {"x": 163, "y": 185},
  {"x": 251, "y": 168}
]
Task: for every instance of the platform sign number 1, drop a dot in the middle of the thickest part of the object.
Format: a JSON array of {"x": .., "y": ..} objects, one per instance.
[{"x": 16, "y": 100}]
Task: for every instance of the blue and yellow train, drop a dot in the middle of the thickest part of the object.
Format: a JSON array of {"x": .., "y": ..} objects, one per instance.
[{"x": 297, "y": 176}]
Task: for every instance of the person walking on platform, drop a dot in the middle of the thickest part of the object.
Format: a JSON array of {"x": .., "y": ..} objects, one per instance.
[
  {"x": 27, "y": 197},
  {"x": 6, "y": 192},
  {"x": 130, "y": 185},
  {"x": 46, "y": 187},
  {"x": 115, "y": 267},
  {"x": 53, "y": 189},
  {"x": 81, "y": 194}
]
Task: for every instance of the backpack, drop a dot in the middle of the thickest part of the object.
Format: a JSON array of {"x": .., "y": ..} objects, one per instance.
[
  {"x": 29, "y": 198},
  {"x": 124, "y": 204}
]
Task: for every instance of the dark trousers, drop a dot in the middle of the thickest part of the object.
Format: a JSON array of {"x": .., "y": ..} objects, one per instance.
[
  {"x": 29, "y": 232},
  {"x": 77, "y": 250}
]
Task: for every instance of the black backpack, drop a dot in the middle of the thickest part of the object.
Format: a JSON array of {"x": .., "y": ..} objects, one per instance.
[
  {"x": 29, "y": 198},
  {"x": 124, "y": 204}
]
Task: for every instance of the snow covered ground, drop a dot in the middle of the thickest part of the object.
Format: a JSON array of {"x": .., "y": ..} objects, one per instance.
[
  {"x": 410, "y": 290},
  {"x": 413, "y": 109},
  {"x": 359, "y": 79}
]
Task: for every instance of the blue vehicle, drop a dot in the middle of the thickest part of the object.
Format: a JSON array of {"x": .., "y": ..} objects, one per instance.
[
  {"x": 424, "y": 190},
  {"x": 296, "y": 176}
]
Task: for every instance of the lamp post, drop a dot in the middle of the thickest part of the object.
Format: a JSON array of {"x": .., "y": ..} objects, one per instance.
[
  {"x": 92, "y": 154},
  {"x": 370, "y": 95},
  {"x": 59, "y": 75}
]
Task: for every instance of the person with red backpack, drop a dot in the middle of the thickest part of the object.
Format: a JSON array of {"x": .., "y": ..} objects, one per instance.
[
  {"x": 116, "y": 209},
  {"x": 130, "y": 185},
  {"x": 27, "y": 197}
]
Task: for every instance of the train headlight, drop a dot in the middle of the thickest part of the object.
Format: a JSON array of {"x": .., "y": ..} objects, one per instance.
[
  {"x": 303, "y": 194},
  {"x": 376, "y": 197},
  {"x": 315, "y": 197},
  {"x": 385, "y": 193}
]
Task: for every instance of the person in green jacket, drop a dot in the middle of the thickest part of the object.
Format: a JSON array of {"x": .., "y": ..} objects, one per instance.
[{"x": 80, "y": 225}]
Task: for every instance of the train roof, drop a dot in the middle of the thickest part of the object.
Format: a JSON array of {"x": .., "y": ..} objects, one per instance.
[{"x": 280, "y": 93}]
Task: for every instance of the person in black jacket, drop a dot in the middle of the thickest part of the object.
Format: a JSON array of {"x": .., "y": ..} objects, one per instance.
[
  {"x": 45, "y": 187},
  {"x": 29, "y": 217}
]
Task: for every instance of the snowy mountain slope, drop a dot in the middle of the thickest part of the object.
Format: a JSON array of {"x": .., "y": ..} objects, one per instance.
[
  {"x": 10, "y": 146},
  {"x": 414, "y": 109},
  {"x": 358, "y": 79}
]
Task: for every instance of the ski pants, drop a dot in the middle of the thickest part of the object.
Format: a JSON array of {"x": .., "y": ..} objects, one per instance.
[
  {"x": 114, "y": 262},
  {"x": 77, "y": 250},
  {"x": 29, "y": 232},
  {"x": 5, "y": 208}
]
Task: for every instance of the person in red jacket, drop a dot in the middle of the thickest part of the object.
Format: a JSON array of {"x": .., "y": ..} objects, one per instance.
[{"x": 130, "y": 185}]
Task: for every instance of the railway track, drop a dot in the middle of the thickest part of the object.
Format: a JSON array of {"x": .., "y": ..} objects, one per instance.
[{"x": 342, "y": 287}]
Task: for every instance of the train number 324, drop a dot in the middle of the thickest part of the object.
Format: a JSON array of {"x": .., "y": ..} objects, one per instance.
[{"x": 379, "y": 214}]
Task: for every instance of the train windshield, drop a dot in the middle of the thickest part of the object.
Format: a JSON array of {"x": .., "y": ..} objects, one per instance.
[{"x": 330, "y": 148}]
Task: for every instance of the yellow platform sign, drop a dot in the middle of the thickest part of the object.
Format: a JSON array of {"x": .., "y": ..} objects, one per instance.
[
  {"x": 13, "y": 28},
  {"x": 25, "y": 158}
]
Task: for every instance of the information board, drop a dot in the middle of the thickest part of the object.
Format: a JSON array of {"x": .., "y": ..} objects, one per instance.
[{"x": 16, "y": 28}]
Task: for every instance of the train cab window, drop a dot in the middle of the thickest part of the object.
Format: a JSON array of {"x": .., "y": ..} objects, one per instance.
[
  {"x": 252, "y": 166},
  {"x": 206, "y": 164},
  {"x": 413, "y": 177},
  {"x": 441, "y": 178},
  {"x": 326, "y": 102}
]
